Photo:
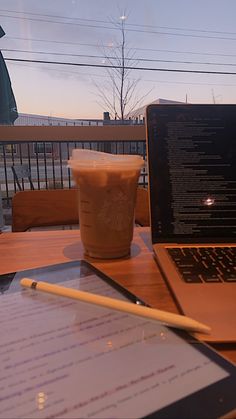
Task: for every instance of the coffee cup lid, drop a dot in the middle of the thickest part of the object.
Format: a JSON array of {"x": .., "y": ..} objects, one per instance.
[{"x": 88, "y": 158}]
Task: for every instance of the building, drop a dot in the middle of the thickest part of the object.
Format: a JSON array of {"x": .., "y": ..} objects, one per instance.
[
  {"x": 36, "y": 120},
  {"x": 138, "y": 115}
]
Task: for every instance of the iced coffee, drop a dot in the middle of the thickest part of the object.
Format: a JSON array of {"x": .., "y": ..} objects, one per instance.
[{"x": 108, "y": 186}]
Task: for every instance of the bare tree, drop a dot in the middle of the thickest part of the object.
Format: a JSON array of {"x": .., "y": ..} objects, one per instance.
[{"x": 119, "y": 94}]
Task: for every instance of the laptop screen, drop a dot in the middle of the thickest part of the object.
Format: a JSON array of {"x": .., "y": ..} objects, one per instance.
[{"x": 192, "y": 172}]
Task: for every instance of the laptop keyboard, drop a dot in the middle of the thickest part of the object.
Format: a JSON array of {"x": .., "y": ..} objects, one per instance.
[{"x": 205, "y": 264}]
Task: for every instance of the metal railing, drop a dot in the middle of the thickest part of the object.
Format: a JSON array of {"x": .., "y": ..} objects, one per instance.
[{"x": 46, "y": 150}]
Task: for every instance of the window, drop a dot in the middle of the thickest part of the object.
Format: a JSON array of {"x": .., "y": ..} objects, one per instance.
[{"x": 42, "y": 148}]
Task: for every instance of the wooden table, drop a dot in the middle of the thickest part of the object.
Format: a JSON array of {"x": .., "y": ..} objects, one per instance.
[{"x": 138, "y": 273}]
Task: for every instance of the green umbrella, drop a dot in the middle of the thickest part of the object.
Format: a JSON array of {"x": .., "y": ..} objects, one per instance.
[{"x": 8, "y": 109}]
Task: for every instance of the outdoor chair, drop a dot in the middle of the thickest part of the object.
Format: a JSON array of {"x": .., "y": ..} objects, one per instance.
[
  {"x": 58, "y": 209},
  {"x": 45, "y": 209},
  {"x": 142, "y": 217},
  {"x": 22, "y": 173}
]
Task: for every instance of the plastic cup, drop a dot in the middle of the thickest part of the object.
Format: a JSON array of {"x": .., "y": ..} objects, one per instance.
[{"x": 107, "y": 195}]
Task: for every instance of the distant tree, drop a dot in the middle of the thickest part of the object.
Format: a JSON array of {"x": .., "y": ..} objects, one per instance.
[{"x": 119, "y": 95}]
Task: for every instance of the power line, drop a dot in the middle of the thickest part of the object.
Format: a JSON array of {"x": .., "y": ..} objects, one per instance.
[
  {"x": 186, "y": 52},
  {"x": 53, "y": 41},
  {"x": 115, "y": 58},
  {"x": 134, "y": 48},
  {"x": 115, "y": 28},
  {"x": 120, "y": 67},
  {"x": 127, "y": 23},
  {"x": 130, "y": 78},
  {"x": 61, "y": 23}
]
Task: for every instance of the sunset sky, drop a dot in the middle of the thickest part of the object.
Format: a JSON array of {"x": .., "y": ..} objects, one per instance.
[{"x": 192, "y": 35}]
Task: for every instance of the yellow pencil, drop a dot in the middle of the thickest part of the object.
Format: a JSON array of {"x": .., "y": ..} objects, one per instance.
[{"x": 170, "y": 319}]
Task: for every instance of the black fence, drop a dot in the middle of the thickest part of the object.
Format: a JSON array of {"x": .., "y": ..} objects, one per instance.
[{"x": 43, "y": 164}]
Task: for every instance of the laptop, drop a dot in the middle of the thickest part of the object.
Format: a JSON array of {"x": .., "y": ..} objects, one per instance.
[{"x": 191, "y": 152}]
